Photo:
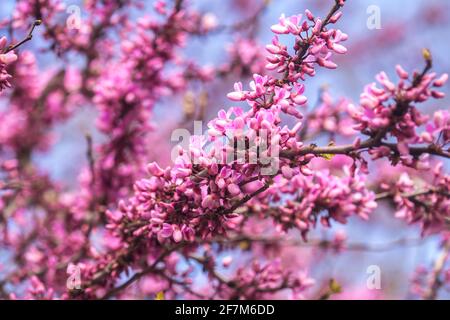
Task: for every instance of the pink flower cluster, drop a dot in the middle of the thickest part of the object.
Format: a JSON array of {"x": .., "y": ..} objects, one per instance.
[
  {"x": 314, "y": 44},
  {"x": 246, "y": 58},
  {"x": 391, "y": 108},
  {"x": 25, "y": 11},
  {"x": 438, "y": 129},
  {"x": 126, "y": 92},
  {"x": 271, "y": 278},
  {"x": 330, "y": 117},
  {"x": 5, "y": 60},
  {"x": 429, "y": 205},
  {"x": 20, "y": 128},
  {"x": 319, "y": 197},
  {"x": 264, "y": 93},
  {"x": 251, "y": 187},
  {"x": 201, "y": 196}
]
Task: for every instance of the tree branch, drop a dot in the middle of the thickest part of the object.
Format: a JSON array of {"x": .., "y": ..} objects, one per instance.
[
  {"x": 436, "y": 281},
  {"x": 26, "y": 39}
]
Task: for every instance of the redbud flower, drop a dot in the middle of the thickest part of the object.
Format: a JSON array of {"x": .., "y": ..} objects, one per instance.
[{"x": 5, "y": 60}]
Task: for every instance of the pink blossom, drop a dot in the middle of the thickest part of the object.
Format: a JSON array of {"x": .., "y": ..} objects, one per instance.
[
  {"x": 315, "y": 44},
  {"x": 243, "y": 210},
  {"x": 5, "y": 60}
]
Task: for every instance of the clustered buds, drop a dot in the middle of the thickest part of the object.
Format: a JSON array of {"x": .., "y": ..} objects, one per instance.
[
  {"x": 253, "y": 180},
  {"x": 314, "y": 44},
  {"x": 265, "y": 93},
  {"x": 392, "y": 109},
  {"x": 317, "y": 197},
  {"x": 429, "y": 205},
  {"x": 271, "y": 278}
]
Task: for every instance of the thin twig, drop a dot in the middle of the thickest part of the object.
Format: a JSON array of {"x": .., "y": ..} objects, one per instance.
[
  {"x": 26, "y": 39},
  {"x": 139, "y": 275},
  {"x": 323, "y": 244},
  {"x": 90, "y": 157},
  {"x": 436, "y": 281}
]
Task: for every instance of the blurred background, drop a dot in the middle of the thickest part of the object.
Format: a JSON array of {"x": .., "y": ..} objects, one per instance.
[{"x": 407, "y": 26}]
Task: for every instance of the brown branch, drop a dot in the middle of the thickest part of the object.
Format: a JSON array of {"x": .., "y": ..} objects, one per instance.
[
  {"x": 369, "y": 143},
  {"x": 342, "y": 149},
  {"x": 334, "y": 9},
  {"x": 204, "y": 262},
  {"x": 90, "y": 158},
  {"x": 182, "y": 284},
  {"x": 26, "y": 39},
  {"x": 322, "y": 244},
  {"x": 388, "y": 194},
  {"x": 417, "y": 151},
  {"x": 376, "y": 140},
  {"x": 139, "y": 275},
  {"x": 245, "y": 199},
  {"x": 237, "y": 287},
  {"x": 305, "y": 46}
]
